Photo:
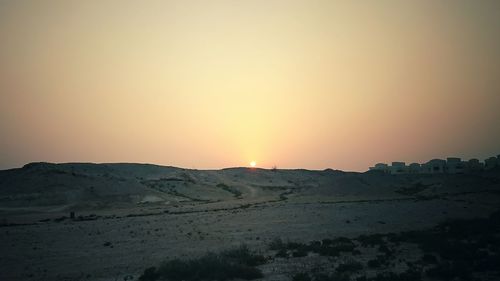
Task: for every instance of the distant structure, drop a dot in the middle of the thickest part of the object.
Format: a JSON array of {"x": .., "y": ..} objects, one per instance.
[
  {"x": 452, "y": 165},
  {"x": 381, "y": 167},
  {"x": 492, "y": 162},
  {"x": 398, "y": 168},
  {"x": 414, "y": 168}
]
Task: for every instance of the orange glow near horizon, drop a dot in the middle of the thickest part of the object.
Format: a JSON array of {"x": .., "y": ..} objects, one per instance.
[{"x": 211, "y": 84}]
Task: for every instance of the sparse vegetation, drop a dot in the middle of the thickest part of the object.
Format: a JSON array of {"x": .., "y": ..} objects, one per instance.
[
  {"x": 371, "y": 240},
  {"x": 327, "y": 247},
  {"x": 282, "y": 253},
  {"x": 236, "y": 263},
  {"x": 447, "y": 270},
  {"x": 454, "y": 250},
  {"x": 349, "y": 266},
  {"x": 277, "y": 244},
  {"x": 335, "y": 247},
  {"x": 236, "y": 193},
  {"x": 303, "y": 276},
  {"x": 414, "y": 189},
  {"x": 331, "y": 277},
  {"x": 301, "y": 252},
  {"x": 428, "y": 259}
]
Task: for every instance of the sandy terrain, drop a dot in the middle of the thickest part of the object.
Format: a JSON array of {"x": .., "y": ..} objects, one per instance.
[{"x": 129, "y": 217}]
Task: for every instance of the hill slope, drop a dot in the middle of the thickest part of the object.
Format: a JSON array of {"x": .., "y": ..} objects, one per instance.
[{"x": 46, "y": 187}]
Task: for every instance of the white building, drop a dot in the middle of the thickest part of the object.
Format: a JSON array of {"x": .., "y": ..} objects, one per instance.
[
  {"x": 491, "y": 163},
  {"x": 415, "y": 168},
  {"x": 454, "y": 165},
  {"x": 398, "y": 168},
  {"x": 435, "y": 166},
  {"x": 473, "y": 165},
  {"x": 380, "y": 167}
]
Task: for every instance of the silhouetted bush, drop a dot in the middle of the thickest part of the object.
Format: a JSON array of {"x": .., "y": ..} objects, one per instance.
[
  {"x": 386, "y": 250},
  {"x": 379, "y": 261},
  {"x": 329, "y": 251},
  {"x": 450, "y": 270},
  {"x": 277, "y": 244},
  {"x": 301, "y": 277},
  {"x": 301, "y": 252},
  {"x": 237, "y": 263},
  {"x": 411, "y": 275},
  {"x": 332, "y": 277},
  {"x": 294, "y": 245},
  {"x": 429, "y": 259},
  {"x": 489, "y": 262},
  {"x": 333, "y": 247},
  {"x": 342, "y": 240},
  {"x": 371, "y": 240},
  {"x": 349, "y": 266},
  {"x": 326, "y": 242},
  {"x": 375, "y": 263},
  {"x": 150, "y": 274},
  {"x": 343, "y": 244},
  {"x": 282, "y": 253},
  {"x": 60, "y": 219},
  {"x": 314, "y": 246},
  {"x": 243, "y": 255},
  {"x": 386, "y": 276}
]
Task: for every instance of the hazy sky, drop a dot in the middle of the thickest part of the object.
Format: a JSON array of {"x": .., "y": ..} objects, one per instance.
[{"x": 211, "y": 84}]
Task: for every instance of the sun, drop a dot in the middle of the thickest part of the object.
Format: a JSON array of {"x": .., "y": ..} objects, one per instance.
[{"x": 253, "y": 164}]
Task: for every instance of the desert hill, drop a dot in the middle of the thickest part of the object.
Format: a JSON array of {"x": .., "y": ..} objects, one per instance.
[
  {"x": 47, "y": 187},
  {"x": 84, "y": 221}
]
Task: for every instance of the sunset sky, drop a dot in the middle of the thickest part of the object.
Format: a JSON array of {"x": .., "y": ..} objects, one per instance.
[{"x": 213, "y": 84}]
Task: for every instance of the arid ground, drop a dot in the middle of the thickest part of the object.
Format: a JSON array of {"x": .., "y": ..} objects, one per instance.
[{"x": 112, "y": 221}]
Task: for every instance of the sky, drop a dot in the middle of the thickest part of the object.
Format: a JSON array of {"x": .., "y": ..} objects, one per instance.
[{"x": 213, "y": 84}]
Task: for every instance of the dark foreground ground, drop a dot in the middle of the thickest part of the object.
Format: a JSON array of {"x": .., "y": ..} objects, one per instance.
[{"x": 453, "y": 250}]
